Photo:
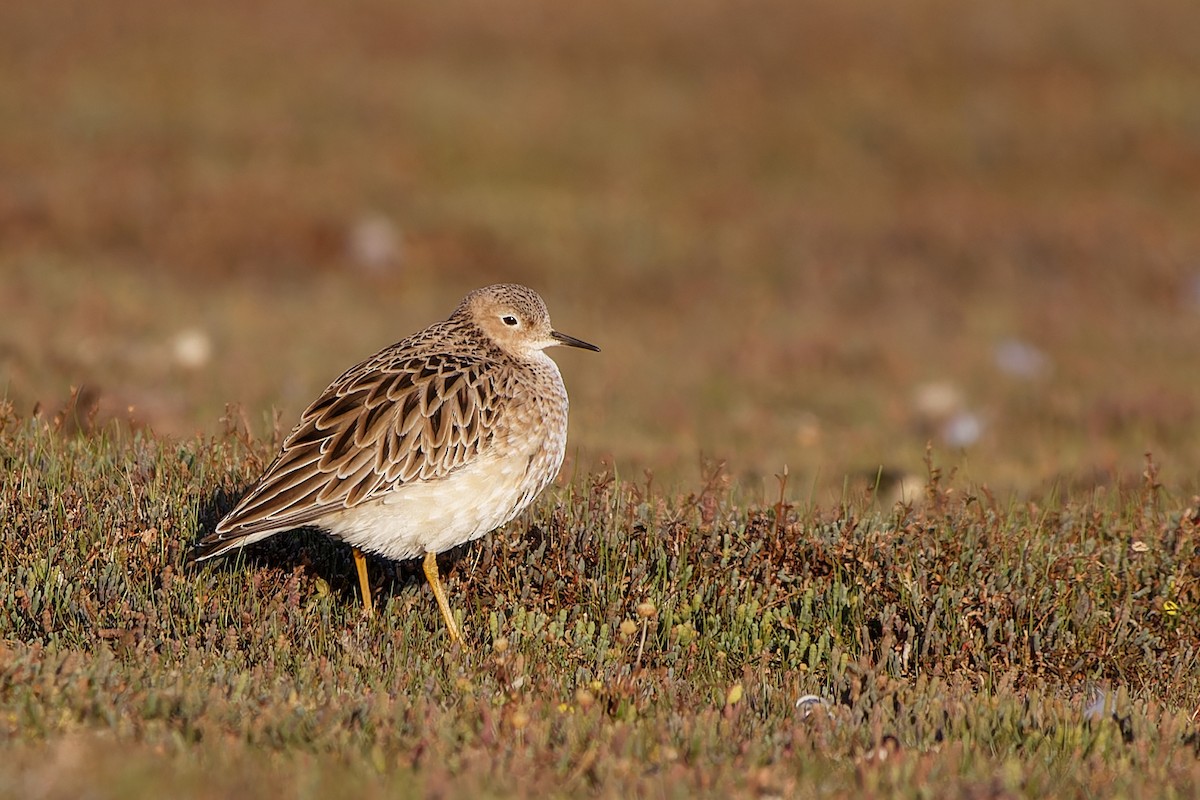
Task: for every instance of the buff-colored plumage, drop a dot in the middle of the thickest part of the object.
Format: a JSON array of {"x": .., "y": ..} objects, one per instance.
[{"x": 430, "y": 443}]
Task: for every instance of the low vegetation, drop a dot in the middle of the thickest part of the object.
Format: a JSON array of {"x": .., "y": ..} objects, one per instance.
[{"x": 617, "y": 640}]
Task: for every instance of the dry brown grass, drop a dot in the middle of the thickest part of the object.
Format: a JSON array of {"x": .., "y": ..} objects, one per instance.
[{"x": 778, "y": 224}]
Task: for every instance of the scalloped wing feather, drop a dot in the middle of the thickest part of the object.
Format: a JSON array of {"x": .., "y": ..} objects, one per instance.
[{"x": 378, "y": 427}]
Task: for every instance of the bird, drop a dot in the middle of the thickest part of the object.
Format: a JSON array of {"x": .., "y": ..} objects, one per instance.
[{"x": 433, "y": 441}]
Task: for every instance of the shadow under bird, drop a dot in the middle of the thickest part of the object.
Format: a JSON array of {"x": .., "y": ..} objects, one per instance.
[{"x": 429, "y": 443}]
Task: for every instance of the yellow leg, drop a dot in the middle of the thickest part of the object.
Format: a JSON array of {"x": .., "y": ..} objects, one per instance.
[
  {"x": 360, "y": 561},
  {"x": 435, "y": 583}
]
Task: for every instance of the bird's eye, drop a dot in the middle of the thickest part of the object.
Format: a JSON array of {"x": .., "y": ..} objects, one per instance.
[{"x": 509, "y": 320}]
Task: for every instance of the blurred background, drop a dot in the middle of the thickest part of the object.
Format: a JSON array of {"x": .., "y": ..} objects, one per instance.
[{"x": 817, "y": 234}]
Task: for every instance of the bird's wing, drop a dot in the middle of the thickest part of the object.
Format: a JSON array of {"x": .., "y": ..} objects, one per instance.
[{"x": 388, "y": 422}]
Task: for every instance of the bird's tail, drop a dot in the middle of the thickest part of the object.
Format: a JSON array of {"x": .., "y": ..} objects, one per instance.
[{"x": 216, "y": 544}]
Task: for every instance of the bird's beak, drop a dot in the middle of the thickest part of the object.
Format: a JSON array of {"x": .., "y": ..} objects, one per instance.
[{"x": 573, "y": 342}]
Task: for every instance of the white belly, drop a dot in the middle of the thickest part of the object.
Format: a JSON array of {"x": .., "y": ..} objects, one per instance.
[{"x": 432, "y": 517}]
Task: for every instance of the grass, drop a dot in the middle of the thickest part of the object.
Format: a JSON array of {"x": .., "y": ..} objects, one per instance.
[
  {"x": 810, "y": 214},
  {"x": 617, "y": 640},
  {"x": 811, "y": 240}
]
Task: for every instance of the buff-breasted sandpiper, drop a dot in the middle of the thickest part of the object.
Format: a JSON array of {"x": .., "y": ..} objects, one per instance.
[{"x": 430, "y": 443}]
